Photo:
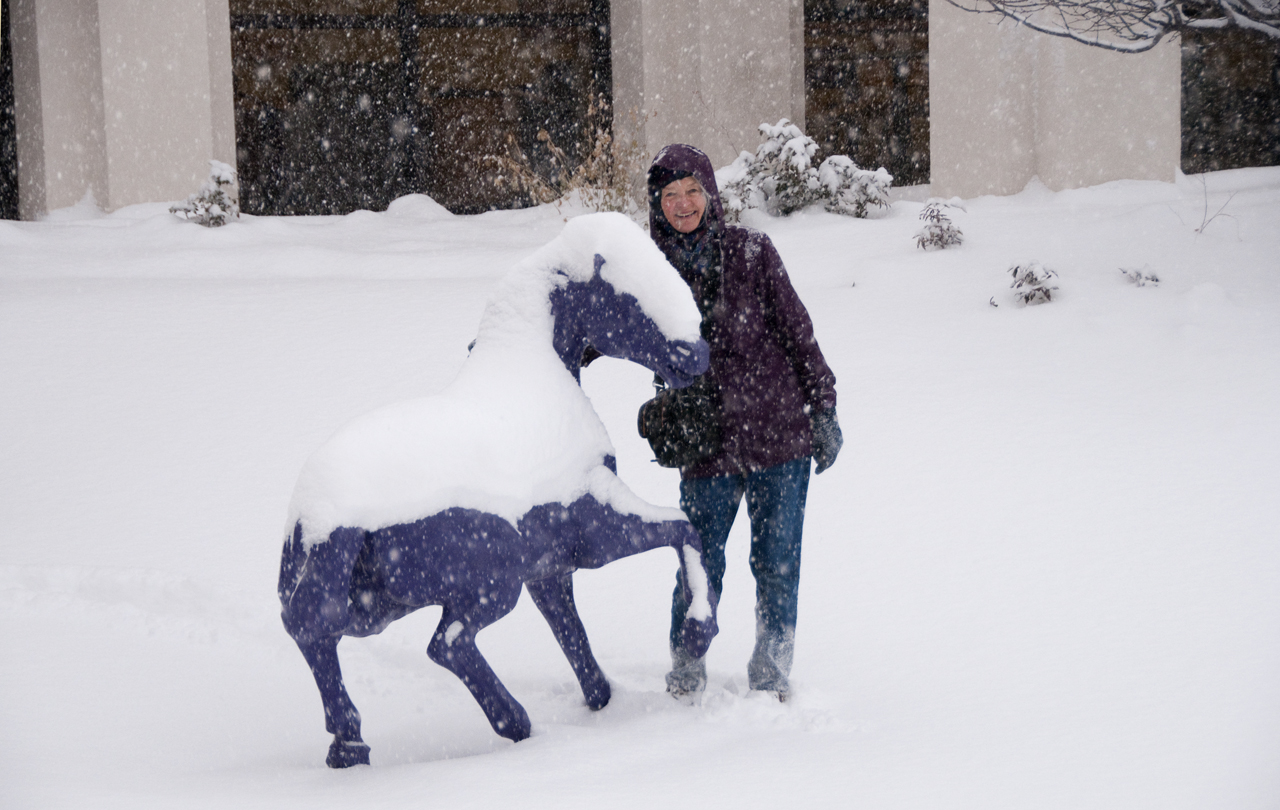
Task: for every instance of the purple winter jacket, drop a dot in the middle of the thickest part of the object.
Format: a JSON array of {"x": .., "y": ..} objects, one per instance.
[{"x": 764, "y": 356}]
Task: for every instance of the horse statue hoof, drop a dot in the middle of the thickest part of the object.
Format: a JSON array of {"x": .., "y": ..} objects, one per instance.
[
  {"x": 516, "y": 727},
  {"x": 344, "y": 754},
  {"x": 599, "y": 696}
]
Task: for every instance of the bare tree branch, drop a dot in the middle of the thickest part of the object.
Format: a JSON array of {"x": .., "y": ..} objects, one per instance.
[{"x": 1131, "y": 26}]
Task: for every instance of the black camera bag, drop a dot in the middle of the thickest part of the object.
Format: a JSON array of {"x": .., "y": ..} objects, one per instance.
[{"x": 682, "y": 424}]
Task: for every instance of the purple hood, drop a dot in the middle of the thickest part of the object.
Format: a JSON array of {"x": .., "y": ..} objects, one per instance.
[{"x": 679, "y": 160}]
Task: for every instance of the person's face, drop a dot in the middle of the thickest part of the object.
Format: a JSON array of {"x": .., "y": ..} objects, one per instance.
[{"x": 683, "y": 204}]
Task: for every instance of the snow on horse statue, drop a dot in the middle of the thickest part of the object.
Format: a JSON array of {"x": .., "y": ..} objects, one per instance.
[{"x": 506, "y": 477}]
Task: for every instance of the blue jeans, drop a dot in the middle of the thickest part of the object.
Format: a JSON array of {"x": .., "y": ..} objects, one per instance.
[{"x": 775, "y": 505}]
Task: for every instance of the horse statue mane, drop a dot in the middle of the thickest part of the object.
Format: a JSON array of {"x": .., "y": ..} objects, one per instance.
[{"x": 507, "y": 477}]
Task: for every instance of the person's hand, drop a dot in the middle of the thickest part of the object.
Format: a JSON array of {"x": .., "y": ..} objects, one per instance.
[{"x": 827, "y": 438}]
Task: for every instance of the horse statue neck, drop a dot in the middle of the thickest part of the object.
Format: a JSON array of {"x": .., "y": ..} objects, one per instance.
[
  {"x": 542, "y": 310},
  {"x": 572, "y": 306}
]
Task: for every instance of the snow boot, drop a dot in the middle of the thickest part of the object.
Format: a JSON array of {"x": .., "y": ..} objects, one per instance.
[{"x": 688, "y": 675}]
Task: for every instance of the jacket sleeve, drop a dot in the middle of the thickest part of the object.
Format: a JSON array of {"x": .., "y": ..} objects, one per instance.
[{"x": 791, "y": 326}]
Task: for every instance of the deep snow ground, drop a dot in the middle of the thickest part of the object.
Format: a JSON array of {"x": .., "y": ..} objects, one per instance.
[{"x": 1043, "y": 574}]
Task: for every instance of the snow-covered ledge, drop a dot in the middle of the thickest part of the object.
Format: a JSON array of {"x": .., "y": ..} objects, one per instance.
[{"x": 1007, "y": 104}]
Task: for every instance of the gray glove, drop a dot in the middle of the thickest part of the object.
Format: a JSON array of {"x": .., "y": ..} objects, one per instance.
[{"x": 827, "y": 438}]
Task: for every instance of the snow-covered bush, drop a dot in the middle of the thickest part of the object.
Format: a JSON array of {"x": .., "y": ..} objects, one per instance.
[
  {"x": 780, "y": 178},
  {"x": 938, "y": 232},
  {"x": 1140, "y": 278},
  {"x": 850, "y": 190},
  {"x": 1032, "y": 282},
  {"x": 214, "y": 203},
  {"x": 735, "y": 190}
]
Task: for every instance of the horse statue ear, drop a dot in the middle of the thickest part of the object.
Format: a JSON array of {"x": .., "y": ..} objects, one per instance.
[
  {"x": 599, "y": 262},
  {"x": 560, "y": 279}
]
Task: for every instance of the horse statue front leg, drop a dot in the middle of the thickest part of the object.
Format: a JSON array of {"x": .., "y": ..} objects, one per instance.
[
  {"x": 590, "y": 534},
  {"x": 700, "y": 624}
]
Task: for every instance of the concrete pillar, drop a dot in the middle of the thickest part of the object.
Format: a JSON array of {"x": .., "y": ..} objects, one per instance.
[
  {"x": 57, "y": 89},
  {"x": 1107, "y": 116},
  {"x": 126, "y": 99},
  {"x": 981, "y": 105},
  {"x": 706, "y": 73},
  {"x": 1007, "y": 104}
]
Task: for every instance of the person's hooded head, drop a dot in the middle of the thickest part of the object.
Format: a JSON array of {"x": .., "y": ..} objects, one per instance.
[
  {"x": 691, "y": 244},
  {"x": 681, "y": 183}
]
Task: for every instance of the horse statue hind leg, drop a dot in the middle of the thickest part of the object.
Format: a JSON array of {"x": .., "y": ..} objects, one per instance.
[
  {"x": 453, "y": 646},
  {"x": 358, "y": 582},
  {"x": 313, "y": 588},
  {"x": 473, "y": 564}
]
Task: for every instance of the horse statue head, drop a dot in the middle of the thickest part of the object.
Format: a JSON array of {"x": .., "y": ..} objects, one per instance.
[{"x": 612, "y": 290}]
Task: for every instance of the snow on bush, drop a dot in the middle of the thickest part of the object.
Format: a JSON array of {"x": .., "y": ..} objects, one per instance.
[
  {"x": 1140, "y": 278},
  {"x": 780, "y": 178},
  {"x": 213, "y": 204},
  {"x": 850, "y": 190},
  {"x": 1032, "y": 283},
  {"x": 938, "y": 232}
]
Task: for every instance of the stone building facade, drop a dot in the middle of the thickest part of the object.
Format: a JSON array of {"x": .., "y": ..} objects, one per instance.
[{"x": 127, "y": 100}]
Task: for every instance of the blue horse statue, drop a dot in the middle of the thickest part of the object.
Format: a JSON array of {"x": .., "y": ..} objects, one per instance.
[{"x": 507, "y": 477}]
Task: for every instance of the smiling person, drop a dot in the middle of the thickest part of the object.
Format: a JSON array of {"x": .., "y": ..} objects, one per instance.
[{"x": 775, "y": 409}]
